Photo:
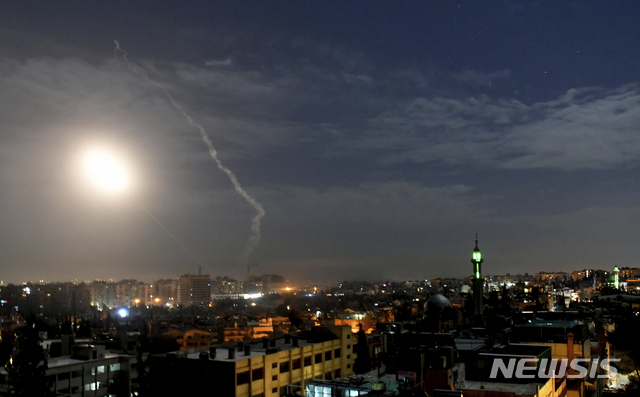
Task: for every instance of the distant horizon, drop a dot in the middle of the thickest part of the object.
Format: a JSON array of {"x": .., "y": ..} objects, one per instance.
[{"x": 292, "y": 281}]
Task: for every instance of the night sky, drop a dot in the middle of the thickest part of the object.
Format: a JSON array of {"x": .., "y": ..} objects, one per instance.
[{"x": 378, "y": 136}]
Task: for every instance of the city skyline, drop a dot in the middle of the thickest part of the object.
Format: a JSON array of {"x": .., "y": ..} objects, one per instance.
[{"x": 377, "y": 137}]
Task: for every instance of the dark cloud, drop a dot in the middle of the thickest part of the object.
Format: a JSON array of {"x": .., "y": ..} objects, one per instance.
[
  {"x": 584, "y": 129},
  {"x": 379, "y": 140}
]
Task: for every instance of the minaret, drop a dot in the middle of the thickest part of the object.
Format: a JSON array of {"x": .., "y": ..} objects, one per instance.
[
  {"x": 477, "y": 281},
  {"x": 616, "y": 278}
]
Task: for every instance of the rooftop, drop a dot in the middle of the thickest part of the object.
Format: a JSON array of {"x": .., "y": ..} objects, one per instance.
[
  {"x": 523, "y": 389},
  {"x": 469, "y": 344},
  {"x": 550, "y": 323},
  {"x": 257, "y": 348},
  {"x": 517, "y": 349}
]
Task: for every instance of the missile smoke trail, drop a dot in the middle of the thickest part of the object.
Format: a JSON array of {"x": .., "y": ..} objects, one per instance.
[
  {"x": 168, "y": 232},
  {"x": 254, "y": 239}
]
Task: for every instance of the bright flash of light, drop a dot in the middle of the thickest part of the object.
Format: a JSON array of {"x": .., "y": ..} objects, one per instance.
[
  {"x": 106, "y": 171},
  {"x": 123, "y": 313}
]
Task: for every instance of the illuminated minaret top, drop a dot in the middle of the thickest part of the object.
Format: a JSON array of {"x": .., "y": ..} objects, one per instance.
[
  {"x": 477, "y": 283},
  {"x": 476, "y": 260}
]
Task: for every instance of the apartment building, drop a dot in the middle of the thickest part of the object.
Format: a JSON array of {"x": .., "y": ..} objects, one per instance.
[
  {"x": 268, "y": 367},
  {"x": 89, "y": 371}
]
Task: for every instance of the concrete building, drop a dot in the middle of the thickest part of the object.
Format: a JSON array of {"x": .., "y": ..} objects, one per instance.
[
  {"x": 476, "y": 380},
  {"x": 262, "y": 368},
  {"x": 166, "y": 292},
  {"x": 88, "y": 371},
  {"x": 194, "y": 289},
  {"x": 566, "y": 338}
]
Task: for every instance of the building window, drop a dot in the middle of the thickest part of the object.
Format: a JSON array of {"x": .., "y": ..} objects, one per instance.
[
  {"x": 348, "y": 365},
  {"x": 274, "y": 390},
  {"x": 114, "y": 367},
  {"x": 284, "y": 367},
  {"x": 76, "y": 373},
  {"x": 257, "y": 373},
  {"x": 243, "y": 378},
  {"x": 307, "y": 361},
  {"x": 336, "y": 373},
  {"x": 295, "y": 363},
  {"x": 348, "y": 347},
  {"x": 318, "y": 358},
  {"x": 327, "y": 355},
  {"x": 337, "y": 353},
  {"x": 348, "y": 336},
  {"x": 274, "y": 365},
  {"x": 274, "y": 377},
  {"x": 348, "y": 356}
]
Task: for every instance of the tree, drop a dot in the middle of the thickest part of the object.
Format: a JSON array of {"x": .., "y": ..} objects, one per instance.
[
  {"x": 362, "y": 363},
  {"x": 143, "y": 345},
  {"x": 625, "y": 340},
  {"x": 27, "y": 367},
  {"x": 295, "y": 317}
]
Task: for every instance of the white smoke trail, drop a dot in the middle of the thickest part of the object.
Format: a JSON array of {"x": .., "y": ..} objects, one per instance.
[
  {"x": 173, "y": 236},
  {"x": 254, "y": 238}
]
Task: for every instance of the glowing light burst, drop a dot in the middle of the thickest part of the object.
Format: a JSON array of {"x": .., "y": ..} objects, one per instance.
[{"x": 106, "y": 171}]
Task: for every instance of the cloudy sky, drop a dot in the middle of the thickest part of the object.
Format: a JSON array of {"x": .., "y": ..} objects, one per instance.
[{"x": 378, "y": 137}]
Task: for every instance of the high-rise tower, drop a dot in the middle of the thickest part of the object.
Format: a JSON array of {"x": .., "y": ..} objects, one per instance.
[{"x": 477, "y": 281}]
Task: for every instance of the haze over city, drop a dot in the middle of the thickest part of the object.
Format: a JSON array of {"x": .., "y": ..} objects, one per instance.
[{"x": 377, "y": 137}]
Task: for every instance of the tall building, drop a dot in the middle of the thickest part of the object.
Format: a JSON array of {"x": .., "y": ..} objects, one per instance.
[
  {"x": 194, "y": 289},
  {"x": 84, "y": 370},
  {"x": 270, "y": 368},
  {"x": 477, "y": 281},
  {"x": 165, "y": 292}
]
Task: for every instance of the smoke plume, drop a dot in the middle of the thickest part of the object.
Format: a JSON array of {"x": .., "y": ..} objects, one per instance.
[{"x": 254, "y": 238}]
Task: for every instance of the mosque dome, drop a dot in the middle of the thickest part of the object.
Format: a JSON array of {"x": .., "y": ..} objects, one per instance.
[{"x": 436, "y": 304}]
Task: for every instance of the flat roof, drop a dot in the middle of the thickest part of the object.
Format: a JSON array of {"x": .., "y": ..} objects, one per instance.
[
  {"x": 551, "y": 323},
  {"x": 469, "y": 344},
  {"x": 257, "y": 350},
  {"x": 67, "y": 360},
  {"x": 518, "y": 349},
  {"x": 526, "y": 389}
]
